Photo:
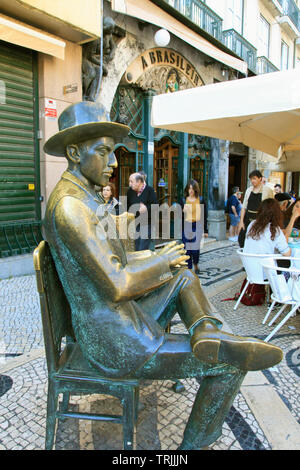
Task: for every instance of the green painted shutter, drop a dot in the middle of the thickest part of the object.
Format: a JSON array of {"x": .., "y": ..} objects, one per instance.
[{"x": 19, "y": 174}]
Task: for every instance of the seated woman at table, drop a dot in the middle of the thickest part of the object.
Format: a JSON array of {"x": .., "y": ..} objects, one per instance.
[
  {"x": 264, "y": 235},
  {"x": 292, "y": 218}
]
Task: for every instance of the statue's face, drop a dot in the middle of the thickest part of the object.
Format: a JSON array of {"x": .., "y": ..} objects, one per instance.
[{"x": 97, "y": 160}]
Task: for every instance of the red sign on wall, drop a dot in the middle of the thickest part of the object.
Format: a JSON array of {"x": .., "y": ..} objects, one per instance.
[{"x": 50, "y": 108}]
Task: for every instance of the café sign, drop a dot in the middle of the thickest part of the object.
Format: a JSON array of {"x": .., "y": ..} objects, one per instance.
[{"x": 159, "y": 57}]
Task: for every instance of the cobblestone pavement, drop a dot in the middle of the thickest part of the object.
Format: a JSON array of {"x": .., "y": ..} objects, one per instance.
[
  {"x": 23, "y": 375},
  {"x": 219, "y": 263}
]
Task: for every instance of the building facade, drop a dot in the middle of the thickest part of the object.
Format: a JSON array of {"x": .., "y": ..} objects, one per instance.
[
  {"x": 51, "y": 56},
  {"x": 40, "y": 74},
  {"x": 262, "y": 33},
  {"x": 266, "y": 33},
  {"x": 195, "y": 56}
]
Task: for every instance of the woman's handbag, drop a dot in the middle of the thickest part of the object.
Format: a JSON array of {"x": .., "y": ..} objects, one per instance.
[{"x": 255, "y": 294}]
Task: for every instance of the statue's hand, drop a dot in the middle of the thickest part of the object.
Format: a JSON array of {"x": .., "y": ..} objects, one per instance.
[{"x": 175, "y": 253}]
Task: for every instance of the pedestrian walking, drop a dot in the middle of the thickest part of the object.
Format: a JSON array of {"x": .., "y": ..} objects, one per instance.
[
  {"x": 144, "y": 196},
  {"x": 239, "y": 208},
  {"x": 194, "y": 222},
  {"x": 233, "y": 205}
]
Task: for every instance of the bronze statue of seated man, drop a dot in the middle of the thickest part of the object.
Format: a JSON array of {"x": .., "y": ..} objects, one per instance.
[{"x": 121, "y": 302}]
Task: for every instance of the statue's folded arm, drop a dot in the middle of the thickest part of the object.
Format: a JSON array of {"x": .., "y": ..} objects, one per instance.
[{"x": 84, "y": 235}]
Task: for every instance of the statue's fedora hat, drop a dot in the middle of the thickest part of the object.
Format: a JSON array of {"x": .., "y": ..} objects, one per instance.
[{"x": 80, "y": 122}]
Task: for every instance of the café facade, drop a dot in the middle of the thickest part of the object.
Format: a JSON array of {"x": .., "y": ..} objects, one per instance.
[{"x": 140, "y": 69}]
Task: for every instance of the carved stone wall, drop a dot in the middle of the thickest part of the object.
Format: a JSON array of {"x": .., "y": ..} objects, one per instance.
[
  {"x": 155, "y": 79},
  {"x": 139, "y": 38}
]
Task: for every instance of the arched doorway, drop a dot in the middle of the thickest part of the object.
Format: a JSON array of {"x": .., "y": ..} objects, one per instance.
[
  {"x": 199, "y": 173},
  {"x": 165, "y": 170},
  {"x": 129, "y": 161},
  {"x": 126, "y": 166}
]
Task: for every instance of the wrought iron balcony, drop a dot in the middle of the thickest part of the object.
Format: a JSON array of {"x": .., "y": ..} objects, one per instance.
[
  {"x": 200, "y": 14},
  {"x": 234, "y": 41},
  {"x": 291, "y": 10},
  {"x": 265, "y": 66}
]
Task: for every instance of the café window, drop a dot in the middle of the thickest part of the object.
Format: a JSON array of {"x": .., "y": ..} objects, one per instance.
[
  {"x": 284, "y": 56},
  {"x": 264, "y": 37},
  {"x": 236, "y": 13}
]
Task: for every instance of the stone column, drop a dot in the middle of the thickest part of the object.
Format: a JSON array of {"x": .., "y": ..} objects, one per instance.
[
  {"x": 148, "y": 163},
  {"x": 183, "y": 165},
  {"x": 252, "y": 160},
  {"x": 217, "y": 188},
  {"x": 288, "y": 182}
]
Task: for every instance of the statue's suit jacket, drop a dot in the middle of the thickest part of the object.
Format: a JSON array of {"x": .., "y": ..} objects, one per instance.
[{"x": 102, "y": 281}]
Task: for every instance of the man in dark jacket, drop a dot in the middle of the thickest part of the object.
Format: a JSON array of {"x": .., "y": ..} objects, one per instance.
[{"x": 140, "y": 198}]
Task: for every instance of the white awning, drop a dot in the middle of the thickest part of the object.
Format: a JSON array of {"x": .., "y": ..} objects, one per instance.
[
  {"x": 262, "y": 112},
  {"x": 21, "y": 34},
  {"x": 151, "y": 13}
]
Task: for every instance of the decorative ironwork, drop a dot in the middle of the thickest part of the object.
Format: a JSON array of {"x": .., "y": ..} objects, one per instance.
[
  {"x": 198, "y": 144},
  {"x": 291, "y": 9},
  {"x": 174, "y": 136},
  {"x": 200, "y": 14},
  {"x": 265, "y": 66},
  {"x": 127, "y": 108},
  {"x": 238, "y": 44},
  {"x": 19, "y": 238}
]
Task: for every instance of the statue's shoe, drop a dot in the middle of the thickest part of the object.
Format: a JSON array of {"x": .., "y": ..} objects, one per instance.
[{"x": 213, "y": 346}]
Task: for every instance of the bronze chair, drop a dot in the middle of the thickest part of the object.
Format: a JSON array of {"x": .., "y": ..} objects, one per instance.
[{"x": 68, "y": 371}]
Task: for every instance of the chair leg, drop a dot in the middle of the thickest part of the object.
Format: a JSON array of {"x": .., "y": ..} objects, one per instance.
[
  {"x": 129, "y": 413},
  {"x": 65, "y": 402},
  {"x": 136, "y": 402},
  {"x": 268, "y": 296},
  {"x": 278, "y": 314},
  {"x": 268, "y": 312},
  {"x": 282, "y": 322},
  {"x": 177, "y": 386},
  {"x": 51, "y": 415},
  {"x": 241, "y": 296}
]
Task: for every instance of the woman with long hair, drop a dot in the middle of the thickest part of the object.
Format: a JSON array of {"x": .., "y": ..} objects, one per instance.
[
  {"x": 194, "y": 222},
  {"x": 111, "y": 203},
  {"x": 264, "y": 235}
]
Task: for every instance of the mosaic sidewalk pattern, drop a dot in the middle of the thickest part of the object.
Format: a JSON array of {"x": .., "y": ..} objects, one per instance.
[
  {"x": 20, "y": 318},
  {"x": 160, "y": 425},
  {"x": 23, "y": 389},
  {"x": 246, "y": 321},
  {"x": 220, "y": 264}
]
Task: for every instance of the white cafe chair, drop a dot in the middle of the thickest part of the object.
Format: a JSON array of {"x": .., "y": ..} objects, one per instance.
[
  {"x": 254, "y": 270},
  {"x": 283, "y": 292}
]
